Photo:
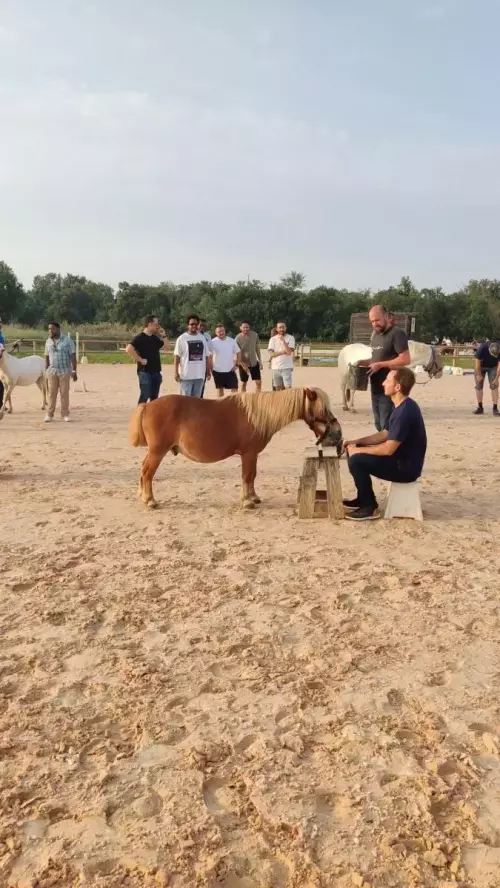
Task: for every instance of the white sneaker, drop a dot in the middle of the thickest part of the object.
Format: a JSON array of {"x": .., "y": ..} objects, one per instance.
[
  {"x": 49, "y": 419},
  {"x": 67, "y": 418}
]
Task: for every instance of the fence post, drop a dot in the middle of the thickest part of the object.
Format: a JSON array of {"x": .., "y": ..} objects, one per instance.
[
  {"x": 77, "y": 339},
  {"x": 34, "y": 346},
  {"x": 455, "y": 356}
]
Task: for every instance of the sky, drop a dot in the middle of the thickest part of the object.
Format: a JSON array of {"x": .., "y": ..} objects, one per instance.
[{"x": 355, "y": 141}]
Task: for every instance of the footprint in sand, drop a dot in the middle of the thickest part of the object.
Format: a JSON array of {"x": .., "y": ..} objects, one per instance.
[{"x": 220, "y": 798}]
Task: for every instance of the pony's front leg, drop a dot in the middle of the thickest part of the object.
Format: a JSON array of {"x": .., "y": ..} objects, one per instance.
[
  {"x": 7, "y": 397},
  {"x": 42, "y": 385},
  {"x": 345, "y": 396},
  {"x": 248, "y": 472},
  {"x": 352, "y": 401}
]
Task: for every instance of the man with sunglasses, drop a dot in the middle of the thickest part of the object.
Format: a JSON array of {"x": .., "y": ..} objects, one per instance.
[{"x": 192, "y": 359}]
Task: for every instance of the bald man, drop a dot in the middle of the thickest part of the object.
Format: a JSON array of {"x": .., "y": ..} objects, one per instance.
[{"x": 389, "y": 345}]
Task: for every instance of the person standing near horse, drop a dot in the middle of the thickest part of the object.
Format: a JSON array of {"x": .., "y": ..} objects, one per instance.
[
  {"x": 2, "y": 342},
  {"x": 248, "y": 343},
  {"x": 226, "y": 357},
  {"x": 202, "y": 328},
  {"x": 281, "y": 350},
  {"x": 60, "y": 366},
  {"x": 487, "y": 364},
  {"x": 192, "y": 360},
  {"x": 145, "y": 351},
  {"x": 390, "y": 350}
]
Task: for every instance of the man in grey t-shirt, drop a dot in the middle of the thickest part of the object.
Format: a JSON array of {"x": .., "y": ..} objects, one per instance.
[
  {"x": 250, "y": 361},
  {"x": 390, "y": 350}
]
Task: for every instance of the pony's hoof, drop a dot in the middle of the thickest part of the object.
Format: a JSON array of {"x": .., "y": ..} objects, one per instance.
[
  {"x": 345, "y": 407},
  {"x": 248, "y": 504},
  {"x": 256, "y": 500},
  {"x": 152, "y": 504}
]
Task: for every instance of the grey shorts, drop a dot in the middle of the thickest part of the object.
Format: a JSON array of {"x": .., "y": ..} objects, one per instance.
[
  {"x": 492, "y": 374},
  {"x": 282, "y": 378}
]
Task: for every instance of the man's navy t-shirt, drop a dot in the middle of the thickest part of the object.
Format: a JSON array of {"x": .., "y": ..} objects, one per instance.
[
  {"x": 483, "y": 355},
  {"x": 406, "y": 425}
]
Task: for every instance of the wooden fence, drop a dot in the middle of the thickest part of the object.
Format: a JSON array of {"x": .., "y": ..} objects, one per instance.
[{"x": 305, "y": 353}]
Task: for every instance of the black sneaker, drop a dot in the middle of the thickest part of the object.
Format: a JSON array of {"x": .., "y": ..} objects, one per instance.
[
  {"x": 367, "y": 513},
  {"x": 479, "y": 410},
  {"x": 496, "y": 411},
  {"x": 351, "y": 504}
]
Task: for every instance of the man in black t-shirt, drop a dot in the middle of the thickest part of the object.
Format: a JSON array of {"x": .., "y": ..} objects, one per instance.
[
  {"x": 395, "y": 454},
  {"x": 145, "y": 351},
  {"x": 390, "y": 350},
  {"x": 487, "y": 364}
]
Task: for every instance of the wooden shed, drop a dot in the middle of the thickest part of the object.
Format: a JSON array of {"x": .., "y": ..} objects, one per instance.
[{"x": 361, "y": 329}]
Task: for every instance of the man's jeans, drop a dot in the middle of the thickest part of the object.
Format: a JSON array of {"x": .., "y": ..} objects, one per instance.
[
  {"x": 149, "y": 386},
  {"x": 193, "y": 388},
  {"x": 363, "y": 465},
  {"x": 382, "y": 408}
]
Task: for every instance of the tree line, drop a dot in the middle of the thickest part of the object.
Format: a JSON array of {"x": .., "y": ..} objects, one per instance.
[{"x": 321, "y": 313}]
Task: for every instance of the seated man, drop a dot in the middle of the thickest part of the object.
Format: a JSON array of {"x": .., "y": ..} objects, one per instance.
[{"x": 395, "y": 454}]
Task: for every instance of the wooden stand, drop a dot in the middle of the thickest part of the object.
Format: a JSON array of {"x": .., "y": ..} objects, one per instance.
[{"x": 315, "y": 503}]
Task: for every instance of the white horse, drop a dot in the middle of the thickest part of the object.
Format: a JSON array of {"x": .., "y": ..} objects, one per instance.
[
  {"x": 21, "y": 371},
  {"x": 421, "y": 355}
]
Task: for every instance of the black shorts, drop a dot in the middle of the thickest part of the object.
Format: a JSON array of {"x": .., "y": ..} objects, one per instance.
[
  {"x": 225, "y": 380},
  {"x": 254, "y": 373}
]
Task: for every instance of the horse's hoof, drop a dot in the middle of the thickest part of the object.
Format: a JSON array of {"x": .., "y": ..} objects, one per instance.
[
  {"x": 152, "y": 504},
  {"x": 248, "y": 504},
  {"x": 257, "y": 500},
  {"x": 345, "y": 407}
]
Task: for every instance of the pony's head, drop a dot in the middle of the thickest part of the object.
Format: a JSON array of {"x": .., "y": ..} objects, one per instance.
[
  {"x": 435, "y": 366},
  {"x": 320, "y": 419}
]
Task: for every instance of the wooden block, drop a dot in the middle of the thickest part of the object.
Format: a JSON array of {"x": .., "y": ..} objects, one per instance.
[
  {"x": 327, "y": 452},
  {"x": 311, "y": 453},
  {"x": 321, "y": 510},
  {"x": 334, "y": 488},
  {"x": 308, "y": 487}
]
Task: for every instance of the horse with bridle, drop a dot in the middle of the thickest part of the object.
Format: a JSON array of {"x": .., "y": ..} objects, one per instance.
[{"x": 207, "y": 431}]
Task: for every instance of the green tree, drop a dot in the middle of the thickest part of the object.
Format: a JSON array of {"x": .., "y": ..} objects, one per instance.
[{"x": 12, "y": 295}]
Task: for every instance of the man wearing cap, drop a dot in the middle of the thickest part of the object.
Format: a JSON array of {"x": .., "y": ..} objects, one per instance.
[{"x": 487, "y": 364}]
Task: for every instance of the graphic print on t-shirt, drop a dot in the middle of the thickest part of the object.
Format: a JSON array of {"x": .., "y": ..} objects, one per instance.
[{"x": 196, "y": 350}]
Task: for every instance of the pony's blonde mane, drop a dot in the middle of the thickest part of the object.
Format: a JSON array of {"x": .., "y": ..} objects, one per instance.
[{"x": 268, "y": 412}]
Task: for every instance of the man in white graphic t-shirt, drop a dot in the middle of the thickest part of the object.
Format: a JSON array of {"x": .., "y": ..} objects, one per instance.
[
  {"x": 192, "y": 360},
  {"x": 281, "y": 350},
  {"x": 225, "y": 358}
]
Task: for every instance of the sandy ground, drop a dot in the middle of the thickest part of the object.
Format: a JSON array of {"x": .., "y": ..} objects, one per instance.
[{"x": 205, "y": 697}]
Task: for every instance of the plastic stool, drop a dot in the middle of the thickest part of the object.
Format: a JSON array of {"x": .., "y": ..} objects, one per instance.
[{"x": 403, "y": 501}]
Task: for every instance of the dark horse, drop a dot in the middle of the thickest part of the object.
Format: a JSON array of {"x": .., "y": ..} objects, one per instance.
[{"x": 209, "y": 431}]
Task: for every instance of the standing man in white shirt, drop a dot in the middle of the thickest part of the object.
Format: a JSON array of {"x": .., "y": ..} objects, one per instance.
[
  {"x": 225, "y": 358},
  {"x": 281, "y": 350},
  {"x": 192, "y": 361}
]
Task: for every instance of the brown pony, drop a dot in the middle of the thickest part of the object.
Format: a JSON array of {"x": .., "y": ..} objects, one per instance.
[{"x": 209, "y": 431}]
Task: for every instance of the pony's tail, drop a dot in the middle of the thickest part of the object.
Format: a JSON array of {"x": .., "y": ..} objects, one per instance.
[{"x": 136, "y": 434}]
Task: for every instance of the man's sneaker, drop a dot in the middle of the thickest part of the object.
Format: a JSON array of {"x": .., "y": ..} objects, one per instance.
[
  {"x": 351, "y": 504},
  {"x": 479, "y": 410},
  {"x": 48, "y": 418},
  {"x": 496, "y": 411},
  {"x": 67, "y": 418},
  {"x": 367, "y": 513}
]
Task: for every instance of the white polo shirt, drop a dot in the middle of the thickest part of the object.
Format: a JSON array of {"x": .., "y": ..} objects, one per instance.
[{"x": 223, "y": 351}]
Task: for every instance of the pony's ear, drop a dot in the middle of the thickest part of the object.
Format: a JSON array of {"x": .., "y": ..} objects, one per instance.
[{"x": 311, "y": 394}]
